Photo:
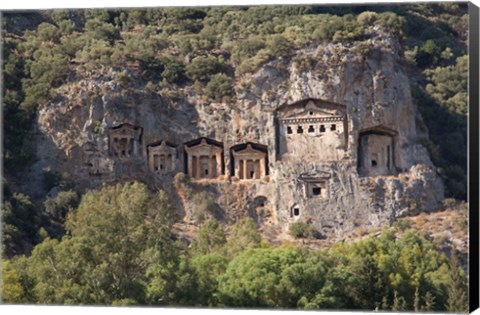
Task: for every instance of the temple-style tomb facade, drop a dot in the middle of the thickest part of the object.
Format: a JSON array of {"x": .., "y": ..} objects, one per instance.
[
  {"x": 125, "y": 141},
  {"x": 313, "y": 130},
  {"x": 249, "y": 161},
  {"x": 204, "y": 158},
  {"x": 162, "y": 157}
]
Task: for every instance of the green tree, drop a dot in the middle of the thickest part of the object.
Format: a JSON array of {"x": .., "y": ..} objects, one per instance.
[
  {"x": 16, "y": 284},
  {"x": 457, "y": 298},
  {"x": 173, "y": 69},
  {"x": 279, "y": 46},
  {"x": 203, "y": 67},
  {"x": 301, "y": 229},
  {"x": 210, "y": 238},
  {"x": 59, "y": 206},
  {"x": 19, "y": 225},
  {"x": 244, "y": 235},
  {"x": 219, "y": 87},
  {"x": 277, "y": 277},
  {"x": 209, "y": 268},
  {"x": 114, "y": 237}
]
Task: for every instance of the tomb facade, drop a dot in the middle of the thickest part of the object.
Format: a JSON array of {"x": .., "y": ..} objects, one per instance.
[
  {"x": 312, "y": 129},
  {"x": 204, "y": 158},
  {"x": 376, "y": 151},
  {"x": 162, "y": 157},
  {"x": 315, "y": 185},
  {"x": 125, "y": 141},
  {"x": 249, "y": 161}
]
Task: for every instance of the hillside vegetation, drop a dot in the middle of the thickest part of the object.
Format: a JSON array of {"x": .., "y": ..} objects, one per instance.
[
  {"x": 118, "y": 250},
  {"x": 107, "y": 247}
]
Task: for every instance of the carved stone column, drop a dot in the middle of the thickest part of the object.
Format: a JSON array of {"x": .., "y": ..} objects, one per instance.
[
  {"x": 151, "y": 162},
  {"x": 135, "y": 146},
  {"x": 190, "y": 166},
  {"x": 245, "y": 170},
  {"x": 172, "y": 166},
  {"x": 211, "y": 160},
  {"x": 237, "y": 167},
  {"x": 219, "y": 163},
  {"x": 199, "y": 171},
  {"x": 262, "y": 167}
]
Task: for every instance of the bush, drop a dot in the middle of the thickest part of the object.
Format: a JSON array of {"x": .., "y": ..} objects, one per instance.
[
  {"x": 219, "y": 87},
  {"x": 99, "y": 52},
  {"x": 449, "y": 202},
  {"x": 102, "y": 31},
  {"x": 203, "y": 67},
  {"x": 204, "y": 207},
  {"x": 123, "y": 79},
  {"x": 402, "y": 224},
  {"x": 303, "y": 230},
  {"x": 428, "y": 54},
  {"x": 279, "y": 46},
  {"x": 48, "y": 32},
  {"x": 18, "y": 224},
  {"x": 173, "y": 69},
  {"x": 59, "y": 206},
  {"x": 367, "y": 18},
  {"x": 247, "y": 49}
]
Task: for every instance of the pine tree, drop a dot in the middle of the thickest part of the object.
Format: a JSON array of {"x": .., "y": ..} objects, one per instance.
[
  {"x": 416, "y": 300},
  {"x": 457, "y": 298},
  {"x": 384, "y": 305},
  {"x": 399, "y": 303},
  {"x": 429, "y": 302}
]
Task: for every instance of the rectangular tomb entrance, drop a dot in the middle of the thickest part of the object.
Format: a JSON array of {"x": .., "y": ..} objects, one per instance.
[{"x": 376, "y": 148}]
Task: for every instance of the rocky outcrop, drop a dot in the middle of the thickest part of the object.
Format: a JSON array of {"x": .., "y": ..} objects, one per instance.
[{"x": 366, "y": 88}]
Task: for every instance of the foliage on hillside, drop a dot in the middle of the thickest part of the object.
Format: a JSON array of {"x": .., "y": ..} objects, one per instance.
[
  {"x": 125, "y": 254},
  {"x": 210, "y": 47},
  {"x": 118, "y": 250}
]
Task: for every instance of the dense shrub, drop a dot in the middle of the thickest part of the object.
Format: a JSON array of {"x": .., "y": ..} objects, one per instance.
[
  {"x": 301, "y": 229},
  {"x": 18, "y": 224},
  {"x": 203, "y": 67},
  {"x": 59, "y": 206},
  {"x": 247, "y": 49},
  {"x": 204, "y": 206},
  {"x": 367, "y": 18},
  {"x": 173, "y": 69},
  {"x": 219, "y": 87},
  {"x": 123, "y": 79},
  {"x": 102, "y": 31},
  {"x": 279, "y": 46}
]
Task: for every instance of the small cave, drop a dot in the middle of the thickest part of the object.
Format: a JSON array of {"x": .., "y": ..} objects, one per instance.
[{"x": 295, "y": 211}]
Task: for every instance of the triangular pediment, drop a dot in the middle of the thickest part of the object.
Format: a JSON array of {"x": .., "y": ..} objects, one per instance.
[
  {"x": 125, "y": 129},
  {"x": 314, "y": 112},
  {"x": 249, "y": 151}
]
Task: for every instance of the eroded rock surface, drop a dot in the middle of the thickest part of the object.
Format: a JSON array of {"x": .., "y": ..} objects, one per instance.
[{"x": 310, "y": 120}]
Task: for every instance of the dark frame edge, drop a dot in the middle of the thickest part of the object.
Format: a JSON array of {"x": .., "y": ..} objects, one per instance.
[{"x": 473, "y": 194}]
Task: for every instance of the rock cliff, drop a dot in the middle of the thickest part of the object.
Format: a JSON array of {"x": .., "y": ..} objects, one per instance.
[{"x": 366, "y": 171}]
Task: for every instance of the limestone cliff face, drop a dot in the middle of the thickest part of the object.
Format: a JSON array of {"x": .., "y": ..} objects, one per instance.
[{"x": 365, "y": 171}]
